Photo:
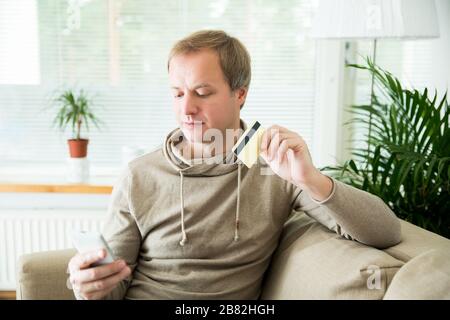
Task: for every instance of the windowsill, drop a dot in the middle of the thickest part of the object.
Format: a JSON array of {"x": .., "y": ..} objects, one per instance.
[
  {"x": 54, "y": 179},
  {"x": 59, "y": 188}
]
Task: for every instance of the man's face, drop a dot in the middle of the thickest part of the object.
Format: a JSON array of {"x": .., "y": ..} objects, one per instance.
[{"x": 202, "y": 98}]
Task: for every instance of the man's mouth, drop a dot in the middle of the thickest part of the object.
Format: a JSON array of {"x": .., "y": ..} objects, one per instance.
[{"x": 193, "y": 124}]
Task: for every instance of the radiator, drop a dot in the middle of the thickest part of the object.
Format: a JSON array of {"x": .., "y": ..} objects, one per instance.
[{"x": 27, "y": 231}]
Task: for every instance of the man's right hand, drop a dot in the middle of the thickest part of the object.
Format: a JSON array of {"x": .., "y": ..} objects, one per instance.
[{"x": 93, "y": 283}]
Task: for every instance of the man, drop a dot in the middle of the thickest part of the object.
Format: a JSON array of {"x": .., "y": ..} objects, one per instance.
[{"x": 185, "y": 228}]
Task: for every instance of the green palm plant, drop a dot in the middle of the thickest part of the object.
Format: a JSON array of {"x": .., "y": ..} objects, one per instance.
[
  {"x": 75, "y": 111},
  {"x": 407, "y": 154}
]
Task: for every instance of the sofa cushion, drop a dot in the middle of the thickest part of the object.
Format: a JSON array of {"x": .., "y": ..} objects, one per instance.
[
  {"x": 426, "y": 276},
  {"x": 313, "y": 262}
]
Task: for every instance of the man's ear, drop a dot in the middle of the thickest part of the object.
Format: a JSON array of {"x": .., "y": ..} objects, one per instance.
[{"x": 241, "y": 95}]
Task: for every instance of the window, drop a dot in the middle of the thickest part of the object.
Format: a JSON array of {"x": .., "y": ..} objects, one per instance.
[
  {"x": 410, "y": 61},
  {"x": 416, "y": 63},
  {"x": 117, "y": 51}
]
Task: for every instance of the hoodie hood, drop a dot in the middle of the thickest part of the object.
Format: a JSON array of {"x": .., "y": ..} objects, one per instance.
[{"x": 216, "y": 166}]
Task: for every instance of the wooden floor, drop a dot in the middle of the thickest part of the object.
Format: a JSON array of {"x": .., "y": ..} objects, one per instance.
[{"x": 7, "y": 295}]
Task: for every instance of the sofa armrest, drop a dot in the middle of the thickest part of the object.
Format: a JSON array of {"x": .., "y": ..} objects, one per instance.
[
  {"x": 312, "y": 262},
  {"x": 416, "y": 241},
  {"x": 426, "y": 273},
  {"x": 43, "y": 276}
]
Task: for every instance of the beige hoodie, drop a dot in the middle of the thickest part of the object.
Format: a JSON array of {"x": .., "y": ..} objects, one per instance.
[{"x": 208, "y": 231}]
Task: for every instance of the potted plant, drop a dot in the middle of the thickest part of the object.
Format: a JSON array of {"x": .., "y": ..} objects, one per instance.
[
  {"x": 75, "y": 111},
  {"x": 407, "y": 161}
]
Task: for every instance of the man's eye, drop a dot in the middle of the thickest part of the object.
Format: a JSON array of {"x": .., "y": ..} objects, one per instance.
[
  {"x": 178, "y": 95},
  {"x": 203, "y": 94}
]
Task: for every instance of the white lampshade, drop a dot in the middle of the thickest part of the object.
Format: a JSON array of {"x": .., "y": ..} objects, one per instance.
[{"x": 375, "y": 19}]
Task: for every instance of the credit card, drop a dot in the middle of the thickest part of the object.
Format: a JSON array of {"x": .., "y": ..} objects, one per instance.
[{"x": 247, "y": 148}]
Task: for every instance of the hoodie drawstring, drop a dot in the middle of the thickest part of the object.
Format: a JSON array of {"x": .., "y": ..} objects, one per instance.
[
  {"x": 184, "y": 238},
  {"x": 238, "y": 203}
]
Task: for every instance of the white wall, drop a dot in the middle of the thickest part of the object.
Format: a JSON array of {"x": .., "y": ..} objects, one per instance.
[{"x": 440, "y": 61}]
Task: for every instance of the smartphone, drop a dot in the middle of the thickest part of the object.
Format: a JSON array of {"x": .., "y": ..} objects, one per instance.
[{"x": 85, "y": 241}]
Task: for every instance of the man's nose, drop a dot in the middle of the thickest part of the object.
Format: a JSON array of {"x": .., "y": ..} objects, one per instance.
[{"x": 188, "y": 105}]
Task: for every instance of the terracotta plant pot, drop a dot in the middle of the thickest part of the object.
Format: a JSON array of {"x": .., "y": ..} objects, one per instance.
[{"x": 78, "y": 147}]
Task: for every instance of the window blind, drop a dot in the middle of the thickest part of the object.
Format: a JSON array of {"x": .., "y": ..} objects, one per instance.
[{"x": 117, "y": 51}]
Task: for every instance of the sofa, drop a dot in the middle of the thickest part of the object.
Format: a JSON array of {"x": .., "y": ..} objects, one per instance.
[{"x": 311, "y": 262}]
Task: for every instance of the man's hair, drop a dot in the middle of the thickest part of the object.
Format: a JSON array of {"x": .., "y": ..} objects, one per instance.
[{"x": 233, "y": 56}]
